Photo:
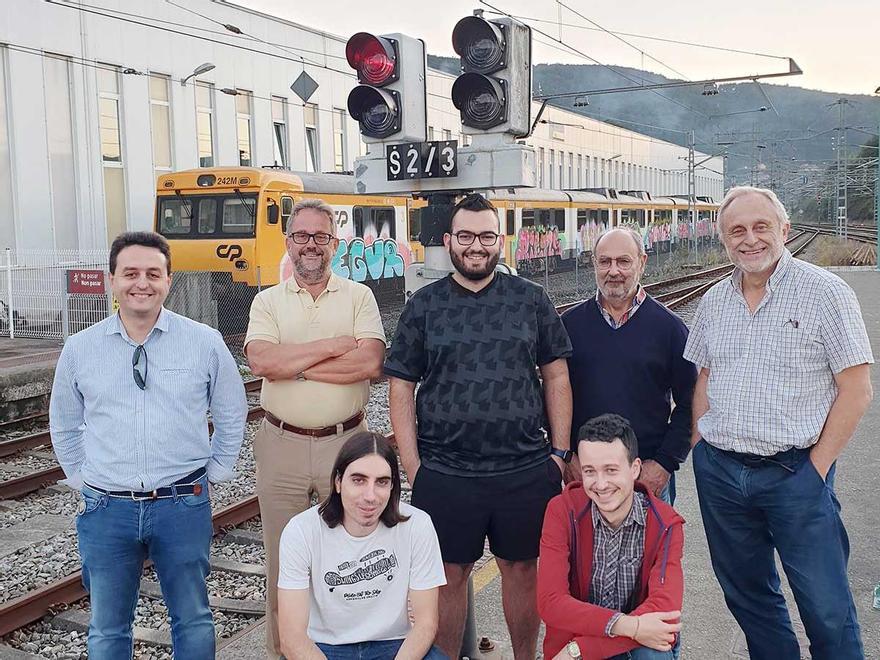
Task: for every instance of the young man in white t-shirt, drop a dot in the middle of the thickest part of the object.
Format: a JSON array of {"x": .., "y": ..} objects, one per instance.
[{"x": 349, "y": 566}]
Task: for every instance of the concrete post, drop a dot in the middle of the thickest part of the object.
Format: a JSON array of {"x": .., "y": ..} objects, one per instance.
[{"x": 10, "y": 308}]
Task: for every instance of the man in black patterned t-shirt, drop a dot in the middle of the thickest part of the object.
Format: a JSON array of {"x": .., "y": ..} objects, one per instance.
[{"x": 475, "y": 440}]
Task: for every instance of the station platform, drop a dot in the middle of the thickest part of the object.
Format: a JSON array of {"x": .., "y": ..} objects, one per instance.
[
  {"x": 710, "y": 631},
  {"x": 26, "y": 370}
]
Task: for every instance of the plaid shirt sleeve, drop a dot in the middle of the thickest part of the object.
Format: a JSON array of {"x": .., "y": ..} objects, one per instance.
[
  {"x": 696, "y": 349},
  {"x": 843, "y": 329}
]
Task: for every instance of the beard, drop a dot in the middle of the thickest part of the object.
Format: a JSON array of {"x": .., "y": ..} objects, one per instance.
[
  {"x": 475, "y": 273},
  {"x": 618, "y": 290},
  {"x": 307, "y": 274}
]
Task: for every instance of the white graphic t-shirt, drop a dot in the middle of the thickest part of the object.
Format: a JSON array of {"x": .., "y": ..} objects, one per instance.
[{"x": 359, "y": 586}]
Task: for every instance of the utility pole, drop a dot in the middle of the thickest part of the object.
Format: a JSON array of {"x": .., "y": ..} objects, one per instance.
[
  {"x": 692, "y": 192},
  {"x": 840, "y": 179}
]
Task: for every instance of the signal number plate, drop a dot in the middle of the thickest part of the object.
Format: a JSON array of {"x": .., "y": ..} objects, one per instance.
[{"x": 422, "y": 160}]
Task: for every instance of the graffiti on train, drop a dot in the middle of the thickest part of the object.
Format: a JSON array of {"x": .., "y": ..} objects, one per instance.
[
  {"x": 361, "y": 259},
  {"x": 705, "y": 227},
  {"x": 538, "y": 242},
  {"x": 380, "y": 259}
]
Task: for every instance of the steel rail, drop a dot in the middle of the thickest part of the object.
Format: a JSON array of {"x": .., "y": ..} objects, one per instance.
[
  {"x": 33, "y": 605},
  {"x": 29, "y": 483}
]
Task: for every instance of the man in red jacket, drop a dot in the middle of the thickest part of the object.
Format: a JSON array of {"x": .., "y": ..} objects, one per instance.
[{"x": 609, "y": 576}]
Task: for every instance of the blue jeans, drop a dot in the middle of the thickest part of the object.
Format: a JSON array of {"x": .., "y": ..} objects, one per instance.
[
  {"x": 668, "y": 492},
  {"x": 750, "y": 510},
  {"x": 116, "y": 535},
  {"x": 383, "y": 650},
  {"x": 644, "y": 653}
]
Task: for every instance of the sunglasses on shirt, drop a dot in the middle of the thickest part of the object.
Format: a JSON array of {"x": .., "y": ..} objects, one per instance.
[{"x": 139, "y": 367}]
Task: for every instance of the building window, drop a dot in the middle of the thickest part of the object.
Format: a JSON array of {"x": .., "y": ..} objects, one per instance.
[
  {"x": 552, "y": 168},
  {"x": 205, "y": 123},
  {"x": 59, "y": 134},
  {"x": 430, "y": 133},
  {"x": 580, "y": 172},
  {"x": 571, "y": 183},
  {"x": 243, "y": 114},
  {"x": 279, "y": 130},
  {"x": 540, "y": 167},
  {"x": 7, "y": 222},
  {"x": 160, "y": 123},
  {"x": 447, "y": 134},
  {"x": 111, "y": 150},
  {"x": 339, "y": 155},
  {"x": 310, "y": 119}
]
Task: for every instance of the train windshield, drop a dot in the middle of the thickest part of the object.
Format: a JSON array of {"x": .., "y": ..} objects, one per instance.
[{"x": 207, "y": 216}]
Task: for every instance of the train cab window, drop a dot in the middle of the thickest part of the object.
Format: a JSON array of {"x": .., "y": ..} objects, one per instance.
[
  {"x": 511, "y": 222},
  {"x": 207, "y": 216},
  {"x": 238, "y": 215},
  {"x": 286, "y": 212},
  {"x": 375, "y": 221},
  {"x": 175, "y": 216},
  {"x": 528, "y": 217}
]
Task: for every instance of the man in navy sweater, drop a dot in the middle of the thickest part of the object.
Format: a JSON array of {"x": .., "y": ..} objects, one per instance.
[{"x": 628, "y": 360}]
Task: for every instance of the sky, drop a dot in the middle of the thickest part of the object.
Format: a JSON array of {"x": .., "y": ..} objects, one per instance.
[{"x": 835, "y": 43}]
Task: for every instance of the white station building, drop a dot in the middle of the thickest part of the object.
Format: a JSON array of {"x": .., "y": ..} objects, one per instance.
[{"x": 95, "y": 103}]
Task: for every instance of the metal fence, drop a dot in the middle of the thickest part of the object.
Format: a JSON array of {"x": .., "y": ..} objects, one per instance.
[{"x": 34, "y": 298}]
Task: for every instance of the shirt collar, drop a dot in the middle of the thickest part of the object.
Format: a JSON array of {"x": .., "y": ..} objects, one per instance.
[
  {"x": 636, "y": 515},
  {"x": 333, "y": 284},
  {"x": 775, "y": 278},
  {"x": 115, "y": 327}
]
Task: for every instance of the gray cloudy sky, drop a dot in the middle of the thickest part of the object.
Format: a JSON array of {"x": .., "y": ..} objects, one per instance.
[{"x": 834, "y": 42}]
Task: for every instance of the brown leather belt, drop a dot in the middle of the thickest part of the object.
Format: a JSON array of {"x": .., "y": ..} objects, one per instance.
[{"x": 347, "y": 425}]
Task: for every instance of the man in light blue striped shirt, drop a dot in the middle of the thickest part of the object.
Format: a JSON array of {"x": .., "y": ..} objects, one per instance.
[{"x": 128, "y": 417}]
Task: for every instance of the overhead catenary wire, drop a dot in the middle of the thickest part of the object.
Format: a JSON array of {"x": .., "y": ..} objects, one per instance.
[
  {"x": 620, "y": 38},
  {"x": 94, "y": 64},
  {"x": 635, "y": 88},
  {"x": 300, "y": 60},
  {"x": 224, "y": 32},
  {"x": 642, "y": 36}
]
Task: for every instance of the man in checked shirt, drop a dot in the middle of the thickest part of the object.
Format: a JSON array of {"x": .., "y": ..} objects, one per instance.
[
  {"x": 784, "y": 379},
  {"x": 610, "y": 582}
]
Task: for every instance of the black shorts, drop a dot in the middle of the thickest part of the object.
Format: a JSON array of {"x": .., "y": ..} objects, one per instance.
[{"x": 509, "y": 509}]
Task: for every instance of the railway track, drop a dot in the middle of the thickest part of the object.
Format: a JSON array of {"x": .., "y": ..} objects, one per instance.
[
  {"x": 26, "y": 609},
  {"x": 859, "y": 235},
  {"x": 32, "y": 606}
]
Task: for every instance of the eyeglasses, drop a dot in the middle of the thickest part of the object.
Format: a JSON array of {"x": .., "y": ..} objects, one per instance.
[
  {"x": 487, "y": 238},
  {"x": 138, "y": 370},
  {"x": 302, "y": 237},
  {"x": 623, "y": 263}
]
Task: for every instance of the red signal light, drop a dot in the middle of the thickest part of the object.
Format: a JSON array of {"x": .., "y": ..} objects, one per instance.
[{"x": 373, "y": 57}]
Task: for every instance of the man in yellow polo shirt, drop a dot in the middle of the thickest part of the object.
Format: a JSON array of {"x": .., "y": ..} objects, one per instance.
[{"x": 316, "y": 340}]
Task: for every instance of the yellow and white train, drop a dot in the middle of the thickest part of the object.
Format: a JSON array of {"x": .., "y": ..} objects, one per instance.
[{"x": 229, "y": 223}]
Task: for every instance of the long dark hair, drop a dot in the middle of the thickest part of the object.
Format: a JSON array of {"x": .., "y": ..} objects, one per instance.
[{"x": 357, "y": 446}]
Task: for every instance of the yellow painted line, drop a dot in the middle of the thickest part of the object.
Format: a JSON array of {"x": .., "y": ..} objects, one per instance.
[{"x": 486, "y": 573}]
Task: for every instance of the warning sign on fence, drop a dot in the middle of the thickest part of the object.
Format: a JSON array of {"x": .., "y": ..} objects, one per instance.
[{"x": 85, "y": 281}]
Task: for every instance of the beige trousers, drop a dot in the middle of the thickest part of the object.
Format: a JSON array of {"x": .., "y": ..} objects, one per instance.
[{"x": 290, "y": 468}]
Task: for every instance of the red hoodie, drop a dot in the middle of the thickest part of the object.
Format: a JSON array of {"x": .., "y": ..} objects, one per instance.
[{"x": 564, "y": 586}]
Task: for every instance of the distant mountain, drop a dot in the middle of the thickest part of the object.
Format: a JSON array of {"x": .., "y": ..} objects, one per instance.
[{"x": 802, "y": 130}]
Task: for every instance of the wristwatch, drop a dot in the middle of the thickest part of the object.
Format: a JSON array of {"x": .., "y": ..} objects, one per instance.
[
  {"x": 573, "y": 649},
  {"x": 564, "y": 454}
]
